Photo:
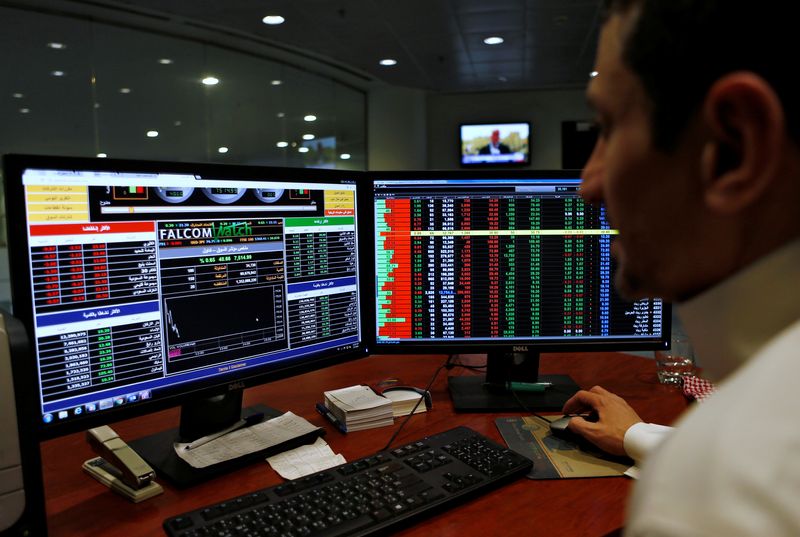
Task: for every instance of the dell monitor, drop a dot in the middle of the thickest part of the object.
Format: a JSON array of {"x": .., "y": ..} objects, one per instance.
[
  {"x": 144, "y": 285},
  {"x": 509, "y": 263}
]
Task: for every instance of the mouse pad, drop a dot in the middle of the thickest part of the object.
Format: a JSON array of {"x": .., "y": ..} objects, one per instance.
[{"x": 556, "y": 458}]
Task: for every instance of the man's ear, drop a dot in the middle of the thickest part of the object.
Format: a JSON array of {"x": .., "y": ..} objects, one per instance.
[{"x": 747, "y": 136}]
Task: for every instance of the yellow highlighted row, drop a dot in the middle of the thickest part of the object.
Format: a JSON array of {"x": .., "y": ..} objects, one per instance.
[{"x": 504, "y": 232}]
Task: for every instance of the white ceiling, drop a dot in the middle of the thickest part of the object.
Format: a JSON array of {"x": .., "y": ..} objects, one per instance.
[{"x": 438, "y": 43}]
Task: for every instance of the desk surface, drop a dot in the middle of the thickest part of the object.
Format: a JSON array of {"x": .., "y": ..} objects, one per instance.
[{"x": 77, "y": 505}]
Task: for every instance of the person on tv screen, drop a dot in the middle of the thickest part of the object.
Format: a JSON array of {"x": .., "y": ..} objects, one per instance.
[
  {"x": 495, "y": 147},
  {"x": 698, "y": 165}
]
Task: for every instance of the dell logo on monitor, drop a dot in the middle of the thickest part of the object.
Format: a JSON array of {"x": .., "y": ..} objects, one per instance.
[
  {"x": 520, "y": 348},
  {"x": 236, "y": 386}
]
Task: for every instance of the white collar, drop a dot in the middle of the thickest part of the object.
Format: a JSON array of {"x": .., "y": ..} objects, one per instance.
[{"x": 731, "y": 321}]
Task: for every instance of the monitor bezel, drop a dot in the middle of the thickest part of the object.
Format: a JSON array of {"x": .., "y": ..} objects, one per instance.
[
  {"x": 493, "y": 165},
  {"x": 500, "y": 345},
  {"x": 22, "y": 301}
]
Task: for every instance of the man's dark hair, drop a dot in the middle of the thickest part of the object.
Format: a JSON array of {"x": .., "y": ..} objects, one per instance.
[{"x": 678, "y": 48}]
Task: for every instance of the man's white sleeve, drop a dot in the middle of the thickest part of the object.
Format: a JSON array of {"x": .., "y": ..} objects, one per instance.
[{"x": 641, "y": 438}]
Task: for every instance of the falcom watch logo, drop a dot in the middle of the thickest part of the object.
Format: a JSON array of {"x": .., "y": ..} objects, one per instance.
[{"x": 213, "y": 230}]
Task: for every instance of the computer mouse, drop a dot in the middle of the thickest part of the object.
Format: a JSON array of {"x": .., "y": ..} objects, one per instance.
[{"x": 559, "y": 427}]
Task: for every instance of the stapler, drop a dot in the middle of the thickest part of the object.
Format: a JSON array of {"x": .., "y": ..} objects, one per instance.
[{"x": 119, "y": 467}]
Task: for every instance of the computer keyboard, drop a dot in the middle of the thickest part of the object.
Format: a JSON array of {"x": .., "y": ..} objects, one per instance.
[{"x": 376, "y": 494}]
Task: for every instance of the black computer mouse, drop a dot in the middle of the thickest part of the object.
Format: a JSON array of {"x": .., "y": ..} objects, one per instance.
[{"x": 559, "y": 427}]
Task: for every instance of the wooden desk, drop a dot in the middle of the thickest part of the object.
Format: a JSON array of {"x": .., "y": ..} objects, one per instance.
[{"x": 77, "y": 505}]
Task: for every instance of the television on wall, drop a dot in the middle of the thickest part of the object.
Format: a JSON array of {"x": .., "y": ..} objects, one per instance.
[{"x": 495, "y": 144}]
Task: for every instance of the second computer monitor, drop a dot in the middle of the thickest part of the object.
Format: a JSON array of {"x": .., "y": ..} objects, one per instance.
[{"x": 498, "y": 262}]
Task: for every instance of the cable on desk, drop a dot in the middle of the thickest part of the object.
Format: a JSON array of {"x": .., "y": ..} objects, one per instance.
[
  {"x": 413, "y": 410},
  {"x": 527, "y": 410},
  {"x": 456, "y": 362}
]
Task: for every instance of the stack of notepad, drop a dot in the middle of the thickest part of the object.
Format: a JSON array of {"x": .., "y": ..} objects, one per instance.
[{"x": 358, "y": 407}]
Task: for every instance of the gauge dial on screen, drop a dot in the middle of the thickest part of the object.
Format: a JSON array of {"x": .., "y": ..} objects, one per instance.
[
  {"x": 268, "y": 195},
  {"x": 224, "y": 195},
  {"x": 174, "y": 194}
]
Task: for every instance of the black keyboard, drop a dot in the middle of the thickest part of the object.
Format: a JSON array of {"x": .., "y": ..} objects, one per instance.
[{"x": 376, "y": 494}]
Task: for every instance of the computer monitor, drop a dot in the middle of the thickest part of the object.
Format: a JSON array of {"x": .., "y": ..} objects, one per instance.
[
  {"x": 145, "y": 285},
  {"x": 511, "y": 263}
]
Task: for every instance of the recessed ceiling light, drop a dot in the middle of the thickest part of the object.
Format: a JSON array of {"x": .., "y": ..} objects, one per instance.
[
  {"x": 310, "y": 117},
  {"x": 164, "y": 61},
  {"x": 282, "y": 144},
  {"x": 302, "y": 150},
  {"x": 24, "y": 110},
  {"x": 345, "y": 156},
  {"x": 177, "y": 123},
  {"x": 276, "y": 82},
  {"x": 152, "y": 134},
  {"x": 308, "y": 137},
  {"x": 388, "y": 62},
  {"x": 494, "y": 40},
  {"x": 273, "y": 20},
  {"x": 125, "y": 90},
  {"x": 57, "y": 73},
  {"x": 96, "y": 106},
  {"x": 101, "y": 155},
  {"x": 57, "y": 46},
  {"x": 17, "y": 95},
  {"x": 593, "y": 74},
  {"x": 222, "y": 149},
  {"x": 281, "y": 114},
  {"x": 211, "y": 81}
]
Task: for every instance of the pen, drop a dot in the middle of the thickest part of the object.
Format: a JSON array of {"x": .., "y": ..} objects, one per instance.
[
  {"x": 241, "y": 424},
  {"x": 325, "y": 411},
  {"x": 528, "y": 386}
]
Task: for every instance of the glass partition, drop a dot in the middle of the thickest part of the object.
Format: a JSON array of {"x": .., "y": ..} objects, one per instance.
[{"x": 79, "y": 87}]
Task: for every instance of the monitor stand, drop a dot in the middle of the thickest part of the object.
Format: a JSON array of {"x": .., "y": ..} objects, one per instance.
[
  {"x": 489, "y": 393},
  {"x": 200, "y": 418}
]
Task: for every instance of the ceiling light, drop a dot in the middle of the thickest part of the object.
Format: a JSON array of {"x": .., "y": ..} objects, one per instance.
[
  {"x": 282, "y": 144},
  {"x": 494, "y": 40},
  {"x": 276, "y": 82},
  {"x": 125, "y": 90},
  {"x": 281, "y": 114},
  {"x": 501, "y": 78},
  {"x": 302, "y": 150},
  {"x": 593, "y": 74},
  {"x": 57, "y": 73},
  {"x": 152, "y": 134},
  {"x": 165, "y": 61},
  {"x": 222, "y": 149},
  {"x": 17, "y": 95},
  {"x": 388, "y": 62},
  {"x": 345, "y": 156},
  {"x": 211, "y": 81},
  {"x": 101, "y": 155},
  {"x": 310, "y": 117},
  {"x": 24, "y": 110},
  {"x": 273, "y": 20},
  {"x": 177, "y": 123},
  {"x": 96, "y": 106},
  {"x": 308, "y": 137},
  {"x": 57, "y": 46}
]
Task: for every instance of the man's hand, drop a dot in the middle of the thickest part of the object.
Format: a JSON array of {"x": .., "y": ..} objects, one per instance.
[{"x": 615, "y": 416}]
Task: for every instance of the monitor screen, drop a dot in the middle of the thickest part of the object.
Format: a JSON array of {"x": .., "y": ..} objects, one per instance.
[
  {"x": 500, "y": 261},
  {"x": 142, "y": 283},
  {"x": 495, "y": 144}
]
